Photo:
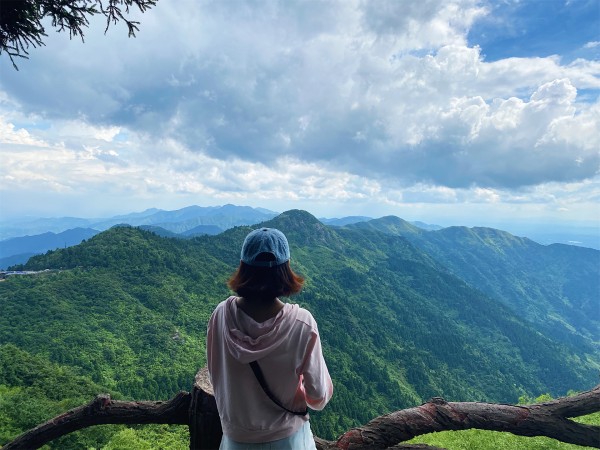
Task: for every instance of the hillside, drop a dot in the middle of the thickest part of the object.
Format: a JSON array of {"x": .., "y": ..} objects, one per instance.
[
  {"x": 129, "y": 309},
  {"x": 554, "y": 287}
]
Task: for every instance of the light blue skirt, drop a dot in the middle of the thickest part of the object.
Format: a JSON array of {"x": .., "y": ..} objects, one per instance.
[{"x": 300, "y": 440}]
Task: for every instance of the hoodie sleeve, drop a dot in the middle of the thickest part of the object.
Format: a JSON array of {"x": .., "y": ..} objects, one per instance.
[
  {"x": 214, "y": 343},
  {"x": 210, "y": 344},
  {"x": 318, "y": 387}
]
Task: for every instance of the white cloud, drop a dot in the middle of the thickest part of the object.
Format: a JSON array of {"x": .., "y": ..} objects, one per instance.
[
  {"x": 285, "y": 100},
  {"x": 10, "y": 135},
  {"x": 79, "y": 129}
]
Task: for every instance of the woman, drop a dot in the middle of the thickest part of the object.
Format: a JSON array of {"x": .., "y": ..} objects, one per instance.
[{"x": 284, "y": 341}]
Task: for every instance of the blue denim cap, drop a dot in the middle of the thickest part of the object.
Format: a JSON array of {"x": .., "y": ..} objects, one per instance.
[{"x": 265, "y": 240}]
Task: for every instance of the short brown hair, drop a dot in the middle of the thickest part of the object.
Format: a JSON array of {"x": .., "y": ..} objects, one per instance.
[{"x": 265, "y": 282}]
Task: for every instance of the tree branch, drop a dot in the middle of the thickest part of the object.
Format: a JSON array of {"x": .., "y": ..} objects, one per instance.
[
  {"x": 101, "y": 411},
  {"x": 21, "y": 21},
  {"x": 544, "y": 419},
  {"x": 199, "y": 411}
]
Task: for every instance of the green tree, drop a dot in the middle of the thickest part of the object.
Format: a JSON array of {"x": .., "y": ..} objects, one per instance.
[{"x": 21, "y": 20}]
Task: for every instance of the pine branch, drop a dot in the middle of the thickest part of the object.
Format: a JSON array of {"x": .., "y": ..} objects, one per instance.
[{"x": 21, "y": 21}]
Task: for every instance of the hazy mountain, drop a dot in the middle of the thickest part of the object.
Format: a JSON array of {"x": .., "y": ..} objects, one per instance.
[
  {"x": 223, "y": 217},
  {"x": 426, "y": 226},
  {"x": 181, "y": 220},
  {"x": 200, "y": 230},
  {"x": 18, "y": 250},
  {"x": 160, "y": 231},
  {"x": 203, "y": 229},
  {"x": 343, "y": 221},
  {"x": 340, "y": 222},
  {"x": 177, "y": 221},
  {"x": 13, "y": 260},
  {"x": 34, "y": 226}
]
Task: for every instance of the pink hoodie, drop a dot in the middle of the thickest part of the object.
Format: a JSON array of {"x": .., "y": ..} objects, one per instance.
[{"x": 288, "y": 350}]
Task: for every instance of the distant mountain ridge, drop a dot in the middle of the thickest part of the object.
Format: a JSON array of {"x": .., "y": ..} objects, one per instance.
[
  {"x": 182, "y": 220},
  {"x": 18, "y": 250},
  {"x": 178, "y": 221},
  {"x": 185, "y": 222},
  {"x": 340, "y": 222},
  {"x": 23, "y": 239}
]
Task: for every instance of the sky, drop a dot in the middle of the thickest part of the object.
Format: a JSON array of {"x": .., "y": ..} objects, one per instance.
[{"x": 446, "y": 111}]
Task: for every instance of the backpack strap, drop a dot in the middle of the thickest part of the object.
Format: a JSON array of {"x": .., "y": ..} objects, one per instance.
[{"x": 263, "y": 383}]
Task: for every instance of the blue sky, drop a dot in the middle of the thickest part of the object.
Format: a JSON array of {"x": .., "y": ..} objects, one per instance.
[
  {"x": 447, "y": 111},
  {"x": 538, "y": 28}
]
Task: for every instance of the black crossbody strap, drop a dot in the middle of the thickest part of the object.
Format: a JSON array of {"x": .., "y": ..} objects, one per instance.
[{"x": 261, "y": 379}]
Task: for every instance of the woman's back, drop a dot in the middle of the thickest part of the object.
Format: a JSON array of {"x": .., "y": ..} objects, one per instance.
[
  {"x": 283, "y": 340},
  {"x": 288, "y": 350}
]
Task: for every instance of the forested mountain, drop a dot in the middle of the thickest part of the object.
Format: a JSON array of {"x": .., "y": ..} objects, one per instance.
[
  {"x": 127, "y": 310},
  {"x": 555, "y": 287}
]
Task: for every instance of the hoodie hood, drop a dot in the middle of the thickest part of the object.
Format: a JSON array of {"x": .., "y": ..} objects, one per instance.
[{"x": 248, "y": 340}]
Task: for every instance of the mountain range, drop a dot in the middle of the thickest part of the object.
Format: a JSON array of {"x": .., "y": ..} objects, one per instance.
[
  {"x": 404, "y": 313},
  {"x": 22, "y": 238},
  {"x": 177, "y": 221},
  {"x": 19, "y": 239}
]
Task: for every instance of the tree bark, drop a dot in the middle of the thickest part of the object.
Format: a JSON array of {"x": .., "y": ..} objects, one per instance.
[
  {"x": 101, "y": 411},
  {"x": 199, "y": 411},
  {"x": 549, "y": 419},
  {"x": 205, "y": 424}
]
